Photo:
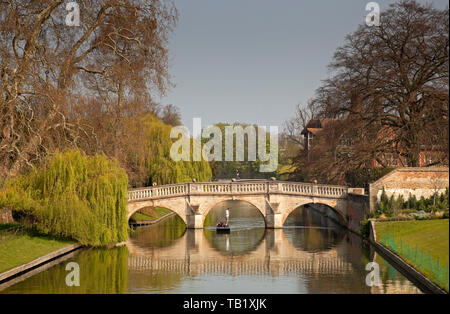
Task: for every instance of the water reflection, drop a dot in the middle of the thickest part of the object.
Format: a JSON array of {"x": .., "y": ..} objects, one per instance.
[
  {"x": 308, "y": 256},
  {"x": 246, "y": 223},
  {"x": 312, "y": 232}
]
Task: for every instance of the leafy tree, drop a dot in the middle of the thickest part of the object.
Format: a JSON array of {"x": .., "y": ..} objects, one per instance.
[
  {"x": 247, "y": 169},
  {"x": 74, "y": 196},
  {"x": 148, "y": 156}
]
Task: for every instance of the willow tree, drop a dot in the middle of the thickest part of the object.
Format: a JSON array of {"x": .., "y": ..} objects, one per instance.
[
  {"x": 74, "y": 196},
  {"x": 148, "y": 160}
]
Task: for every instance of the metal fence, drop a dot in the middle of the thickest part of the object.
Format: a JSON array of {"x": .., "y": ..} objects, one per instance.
[
  {"x": 11, "y": 233},
  {"x": 421, "y": 260}
]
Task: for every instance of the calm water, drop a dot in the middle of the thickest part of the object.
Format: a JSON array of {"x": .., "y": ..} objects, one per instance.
[{"x": 310, "y": 255}]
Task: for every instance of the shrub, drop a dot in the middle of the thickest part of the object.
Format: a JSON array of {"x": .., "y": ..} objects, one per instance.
[
  {"x": 390, "y": 206},
  {"x": 365, "y": 228},
  {"x": 73, "y": 195}
]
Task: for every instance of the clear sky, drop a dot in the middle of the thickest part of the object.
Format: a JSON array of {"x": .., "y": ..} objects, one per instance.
[{"x": 252, "y": 61}]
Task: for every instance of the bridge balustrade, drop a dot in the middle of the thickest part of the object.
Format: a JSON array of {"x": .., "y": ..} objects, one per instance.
[{"x": 213, "y": 188}]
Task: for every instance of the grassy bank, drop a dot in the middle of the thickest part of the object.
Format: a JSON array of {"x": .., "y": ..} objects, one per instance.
[
  {"x": 151, "y": 214},
  {"x": 424, "y": 244},
  {"x": 25, "y": 247}
]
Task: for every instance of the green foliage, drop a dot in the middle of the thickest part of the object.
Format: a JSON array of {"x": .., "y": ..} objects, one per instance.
[
  {"x": 247, "y": 169},
  {"x": 160, "y": 167},
  {"x": 73, "y": 195},
  {"x": 365, "y": 228},
  {"x": 390, "y": 206}
]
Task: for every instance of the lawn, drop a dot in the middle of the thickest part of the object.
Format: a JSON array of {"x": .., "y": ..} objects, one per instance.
[
  {"x": 428, "y": 236},
  {"x": 24, "y": 248},
  {"x": 158, "y": 212}
]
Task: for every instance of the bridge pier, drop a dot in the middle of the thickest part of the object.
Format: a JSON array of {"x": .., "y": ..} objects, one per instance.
[
  {"x": 194, "y": 221},
  {"x": 274, "y": 221}
]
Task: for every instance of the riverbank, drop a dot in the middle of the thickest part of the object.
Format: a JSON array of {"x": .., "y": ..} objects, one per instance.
[
  {"x": 149, "y": 216},
  {"x": 429, "y": 235},
  {"x": 412, "y": 239},
  {"x": 19, "y": 246},
  {"x": 150, "y": 222},
  {"x": 37, "y": 263},
  {"x": 22, "y": 250}
]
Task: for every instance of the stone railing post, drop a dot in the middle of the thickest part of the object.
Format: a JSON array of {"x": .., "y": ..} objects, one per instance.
[
  {"x": 194, "y": 188},
  {"x": 272, "y": 187}
]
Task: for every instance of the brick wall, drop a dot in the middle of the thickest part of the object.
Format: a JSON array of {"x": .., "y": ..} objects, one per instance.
[{"x": 405, "y": 181}]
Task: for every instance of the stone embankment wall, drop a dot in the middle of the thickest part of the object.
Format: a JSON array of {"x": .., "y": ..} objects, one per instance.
[
  {"x": 410, "y": 181},
  {"x": 357, "y": 208}
]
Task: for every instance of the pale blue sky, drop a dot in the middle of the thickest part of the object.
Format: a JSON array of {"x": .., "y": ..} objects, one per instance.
[{"x": 252, "y": 61}]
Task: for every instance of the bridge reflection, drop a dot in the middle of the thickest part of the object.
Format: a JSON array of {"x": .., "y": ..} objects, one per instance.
[
  {"x": 237, "y": 267},
  {"x": 323, "y": 259},
  {"x": 274, "y": 254}
]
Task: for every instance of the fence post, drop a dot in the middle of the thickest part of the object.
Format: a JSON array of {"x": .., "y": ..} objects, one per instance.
[{"x": 415, "y": 256}]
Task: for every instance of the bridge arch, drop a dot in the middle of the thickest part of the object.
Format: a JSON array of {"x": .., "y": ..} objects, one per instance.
[
  {"x": 170, "y": 204},
  {"x": 329, "y": 204},
  {"x": 213, "y": 204}
]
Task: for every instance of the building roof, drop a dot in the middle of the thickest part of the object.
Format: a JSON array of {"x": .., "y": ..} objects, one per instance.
[
  {"x": 314, "y": 130},
  {"x": 314, "y": 126}
]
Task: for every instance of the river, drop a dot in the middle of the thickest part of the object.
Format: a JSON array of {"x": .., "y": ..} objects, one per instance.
[{"x": 311, "y": 254}]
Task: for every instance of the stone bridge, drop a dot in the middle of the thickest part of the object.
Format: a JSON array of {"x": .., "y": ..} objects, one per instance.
[{"x": 275, "y": 200}]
